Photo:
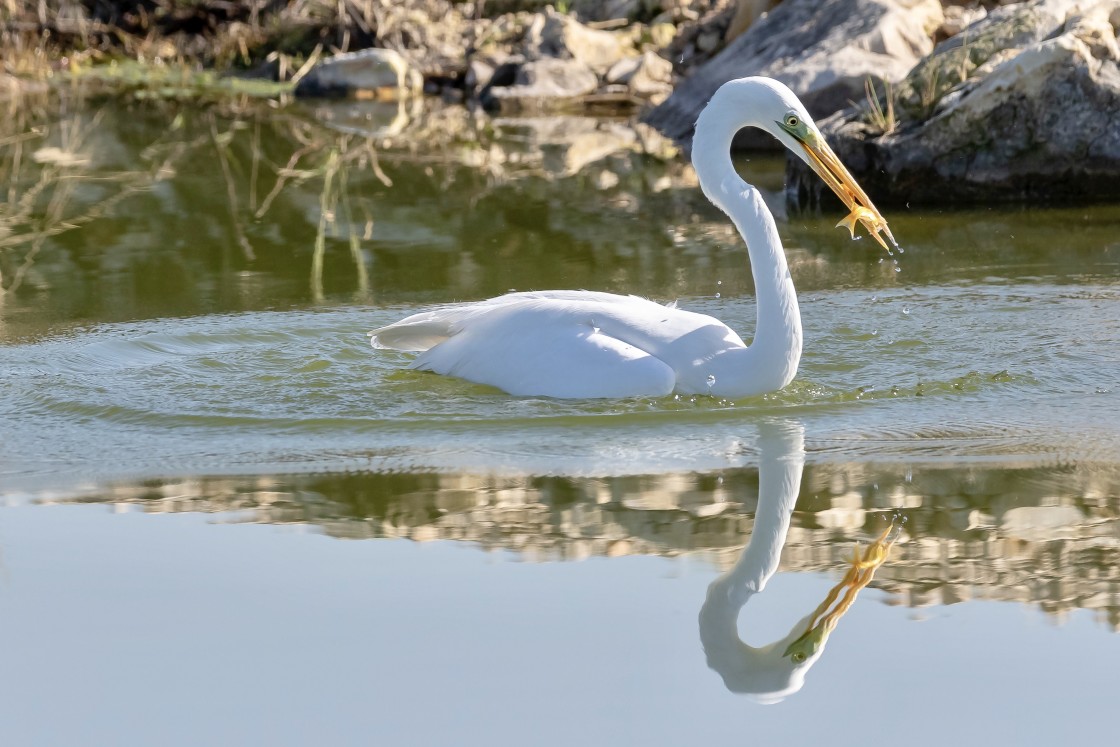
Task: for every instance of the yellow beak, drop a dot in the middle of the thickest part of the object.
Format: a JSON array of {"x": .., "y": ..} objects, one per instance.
[{"x": 829, "y": 168}]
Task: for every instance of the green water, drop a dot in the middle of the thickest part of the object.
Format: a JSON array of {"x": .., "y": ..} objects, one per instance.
[{"x": 187, "y": 291}]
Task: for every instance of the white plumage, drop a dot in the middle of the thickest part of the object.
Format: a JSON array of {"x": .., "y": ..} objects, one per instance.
[{"x": 577, "y": 344}]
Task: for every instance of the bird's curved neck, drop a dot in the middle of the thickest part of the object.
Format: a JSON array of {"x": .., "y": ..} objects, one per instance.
[{"x": 778, "y": 333}]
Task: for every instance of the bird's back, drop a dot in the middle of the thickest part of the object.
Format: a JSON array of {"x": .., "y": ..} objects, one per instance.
[{"x": 565, "y": 344}]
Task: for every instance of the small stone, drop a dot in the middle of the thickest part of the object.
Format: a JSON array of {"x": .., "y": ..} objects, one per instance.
[
  {"x": 478, "y": 75},
  {"x": 661, "y": 35}
]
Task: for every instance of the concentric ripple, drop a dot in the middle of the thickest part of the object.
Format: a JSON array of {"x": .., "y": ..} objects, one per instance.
[{"x": 958, "y": 373}]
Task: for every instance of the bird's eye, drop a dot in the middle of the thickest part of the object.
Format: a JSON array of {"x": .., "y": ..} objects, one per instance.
[
  {"x": 798, "y": 657},
  {"x": 792, "y": 120}
]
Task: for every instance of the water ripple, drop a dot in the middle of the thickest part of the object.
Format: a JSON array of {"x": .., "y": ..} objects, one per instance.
[{"x": 967, "y": 373}]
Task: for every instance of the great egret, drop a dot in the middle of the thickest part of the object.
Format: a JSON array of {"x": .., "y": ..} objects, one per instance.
[
  {"x": 575, "y": 344},
  {"x": 772, "y": 672}
]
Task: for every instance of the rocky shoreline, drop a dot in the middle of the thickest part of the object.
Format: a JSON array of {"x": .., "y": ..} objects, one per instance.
[{"x": 928, "y": 101}]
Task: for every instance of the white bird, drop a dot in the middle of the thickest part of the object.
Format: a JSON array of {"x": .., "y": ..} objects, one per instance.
[{"x": 582, "y": 344}]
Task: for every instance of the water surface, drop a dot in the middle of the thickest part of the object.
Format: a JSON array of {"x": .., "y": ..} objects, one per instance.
[{"x": 182, "y": 332}]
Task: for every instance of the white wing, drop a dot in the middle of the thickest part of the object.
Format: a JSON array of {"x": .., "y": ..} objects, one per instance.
[{"x": 565, "y": 344}]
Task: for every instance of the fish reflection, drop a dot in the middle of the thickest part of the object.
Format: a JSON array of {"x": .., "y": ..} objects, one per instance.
[{"x": 772, "y": 672}]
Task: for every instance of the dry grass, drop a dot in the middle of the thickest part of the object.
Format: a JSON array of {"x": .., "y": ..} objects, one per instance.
[
  {"x": 273, "y": 36},
  {"x": 880, "y": 114}
]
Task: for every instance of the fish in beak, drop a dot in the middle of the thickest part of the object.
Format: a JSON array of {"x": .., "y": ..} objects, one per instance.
[{"x": 824, "y": 162}]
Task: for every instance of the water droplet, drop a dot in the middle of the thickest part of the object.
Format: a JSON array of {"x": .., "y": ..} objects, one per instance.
[
  {"x": 898, "y": 269},
  {"x": 874, "y": 299},
  {"x": 719, "y": 480},
  {"x": 909, "y": 475},
  {"x": 717, "y": 295},
  {"x": 906, "y": 310},
  {"x": 908, "y": 206},
  {"x": 901, "y": 250},
  {"x": 874, "y": 333},
  {"x": 711, "y": 382},
  {"x": 719, "y": 282},
  {"x": 880, "y": 260}
]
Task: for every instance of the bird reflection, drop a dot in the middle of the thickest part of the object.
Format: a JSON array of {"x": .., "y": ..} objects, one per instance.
[{"x": 772, "y": 672}]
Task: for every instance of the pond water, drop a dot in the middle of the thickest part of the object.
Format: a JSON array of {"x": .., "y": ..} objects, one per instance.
[{"x": 182, "y": 332}]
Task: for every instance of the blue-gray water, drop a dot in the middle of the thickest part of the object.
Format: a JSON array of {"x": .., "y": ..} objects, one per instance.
[{"x": 182, "y": 332}]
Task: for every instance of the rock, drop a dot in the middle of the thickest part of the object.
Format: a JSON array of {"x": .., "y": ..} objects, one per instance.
[
  {"x": 661, "y": 34},
  {"x": 612, "y": 9},
  {"x": 1095, "y": 28},
  {"x": 478, "y": 75},
  {"x": 623, "y": 70},
  {"x": 556, "y": 35},
  {"x": 957, "y": 19},
  {"x": 370, "y": 73},
  {"x": 977, "y": 50},
  {"x": 546, "y": 84},
  {"x": 649, "y": 76},
  {"x": 823, "y": 49},
  {"x": 747, "y": 12},
  {"x": 1033, "y": 120}
]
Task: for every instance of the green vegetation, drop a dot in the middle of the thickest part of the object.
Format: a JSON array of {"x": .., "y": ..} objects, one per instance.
[
  {"x": 955, "y": 61},
  {"x": 880, "y": 115}
]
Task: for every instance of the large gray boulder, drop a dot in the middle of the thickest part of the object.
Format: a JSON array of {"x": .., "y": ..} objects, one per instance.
[
  {"x": 1022, "y": 106},
  {"x": 823, "y": 49}
]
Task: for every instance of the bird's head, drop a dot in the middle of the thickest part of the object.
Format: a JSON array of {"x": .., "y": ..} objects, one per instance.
[{"x": 773, "y": 107}]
